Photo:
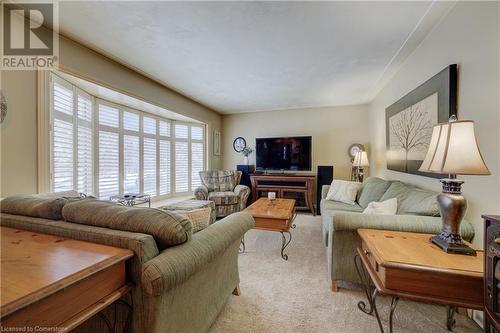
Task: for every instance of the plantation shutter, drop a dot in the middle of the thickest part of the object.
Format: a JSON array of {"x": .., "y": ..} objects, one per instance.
[
  {"x": 197, "y": 156},
  {"x": 85, "y": 159},
  {"x": 63, "y": 136},
  {"x": 164, "y": 152},
  {"x": 63, "y": 155},
  {"x": 149, "y": 166},
  {"x": 131, "y": 164},
  {"x": 181, "y": 167},
  {"x": 109, "y": 155}
]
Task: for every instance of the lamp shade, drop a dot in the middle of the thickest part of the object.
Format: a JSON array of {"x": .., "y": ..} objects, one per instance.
[
  {"x": 453, "y": 150},
  {"x": 360, "y": 159}
]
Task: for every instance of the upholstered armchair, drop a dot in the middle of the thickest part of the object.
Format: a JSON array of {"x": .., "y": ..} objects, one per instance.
[{"x": 224, "y": 189}]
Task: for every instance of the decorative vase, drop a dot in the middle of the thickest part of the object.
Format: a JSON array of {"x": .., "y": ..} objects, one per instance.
[{"x": 245, "y": 160}]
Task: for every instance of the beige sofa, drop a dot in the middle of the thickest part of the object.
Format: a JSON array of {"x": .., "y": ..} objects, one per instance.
[
  {"x": 178, "y": 288},
  {"x": 417, "y": 212}
]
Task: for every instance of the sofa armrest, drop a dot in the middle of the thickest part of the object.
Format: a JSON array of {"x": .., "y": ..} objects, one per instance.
[
  {"x": 347, "y": 221},
  {"x": 175, "y": 265},
  {"x": 324, "y": 191},
  {"x": 201, "y": 193},
  {"x": 242, "y": 191}
]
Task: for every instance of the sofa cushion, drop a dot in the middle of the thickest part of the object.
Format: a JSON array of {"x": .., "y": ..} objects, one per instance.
[
  {"x": 191, "y": 204},
  {"x": 420, "y": 202},
  {"x": 167, "y": 228},
  {"x": 412, "y": 200},
  {"x": 343, "y": 191},
  {"x": 337, "y": 205},
  {"x": 200, "y": 218},
  {"x": 223, "y": 198},
  {"x": 387, "y": 207},
  {"x": 47, "y": 206},
  {"x": 372, "y": 190}
]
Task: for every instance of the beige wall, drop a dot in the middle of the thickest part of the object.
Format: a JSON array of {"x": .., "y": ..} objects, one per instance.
[
  {"x": 18, "y": 132},
  {"x": 333, "y": 129},
  {"x": 468, "y": 36}
]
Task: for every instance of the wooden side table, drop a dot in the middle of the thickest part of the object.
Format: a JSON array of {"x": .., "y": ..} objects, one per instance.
[
  {"x": 58, "y": 283},
  {"x": 407, "y": 265}
]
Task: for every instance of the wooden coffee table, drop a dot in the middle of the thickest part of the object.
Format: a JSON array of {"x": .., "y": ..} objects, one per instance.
[
  {"x": 274, "y": 215},
  {"x": 407, "y": 265}
]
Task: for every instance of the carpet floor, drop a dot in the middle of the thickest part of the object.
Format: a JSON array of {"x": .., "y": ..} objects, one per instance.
[{"x": 294, "y": 295}]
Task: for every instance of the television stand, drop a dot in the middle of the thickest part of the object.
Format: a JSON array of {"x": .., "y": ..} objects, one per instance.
[{"x": 286, "y": 185}]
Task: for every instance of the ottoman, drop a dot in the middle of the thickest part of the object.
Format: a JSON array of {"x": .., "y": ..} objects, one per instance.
[{"x": 192, "y": 204}]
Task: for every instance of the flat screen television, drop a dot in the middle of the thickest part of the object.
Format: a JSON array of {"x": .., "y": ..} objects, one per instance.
[{"x": 287, "y": 153}]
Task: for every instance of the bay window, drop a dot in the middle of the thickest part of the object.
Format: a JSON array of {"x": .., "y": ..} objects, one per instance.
[{"x": 103, "y": 149}]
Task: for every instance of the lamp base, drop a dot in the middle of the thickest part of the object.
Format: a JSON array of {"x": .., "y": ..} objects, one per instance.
[{"x": 452, "y": 247}]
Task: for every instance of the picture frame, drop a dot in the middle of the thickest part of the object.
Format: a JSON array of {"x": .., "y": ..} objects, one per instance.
[
  {"x": 217, "y": 136},
  {"x": 410, "y": 120}
]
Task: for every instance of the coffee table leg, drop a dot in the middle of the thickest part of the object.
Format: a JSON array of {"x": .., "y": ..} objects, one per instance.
[
  {"x": 293, "y": 225},
  {"x": 284, "y": 243},
  {"x": 394, "y": 303},
  {"x": 242, "y": 245},
  {"x": 450, "y": 317}
]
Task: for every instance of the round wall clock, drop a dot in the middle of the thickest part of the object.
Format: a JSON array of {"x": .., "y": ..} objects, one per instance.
[
  {"x": 354, "y": 149},
  {"x": 239, "y": 144}
]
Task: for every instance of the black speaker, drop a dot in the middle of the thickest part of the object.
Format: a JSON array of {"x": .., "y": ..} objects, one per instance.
[
  {"x": 325, "y": 177},
  {"x": 246, "y": 170}
]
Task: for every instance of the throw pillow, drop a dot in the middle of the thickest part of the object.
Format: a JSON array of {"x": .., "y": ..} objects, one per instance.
[
  {"x": 200, "y": 218},
  {"x": 343, "y": 191},
  {"x": 388, "y": 207}
]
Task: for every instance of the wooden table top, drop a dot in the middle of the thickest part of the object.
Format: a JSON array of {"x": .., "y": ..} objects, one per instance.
[
  {"x": 35, "y": 265},
  {"x": 272, "y": 209},
  {"x": 394, "y": 248}
]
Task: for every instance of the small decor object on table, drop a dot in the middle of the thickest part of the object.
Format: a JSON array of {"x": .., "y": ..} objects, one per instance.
[
  {"x": 246, "y": 152},
  {"x": 131, "y": 199},
  {"x": 453, "y": 150},
  {"x": 271, "y": 196}
]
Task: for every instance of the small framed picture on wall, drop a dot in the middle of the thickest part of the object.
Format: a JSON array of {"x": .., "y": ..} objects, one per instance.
[{"x": 217, "y": 143}]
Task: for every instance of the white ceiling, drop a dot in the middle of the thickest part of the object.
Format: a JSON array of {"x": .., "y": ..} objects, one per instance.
[{"x": 256, "y": 56}]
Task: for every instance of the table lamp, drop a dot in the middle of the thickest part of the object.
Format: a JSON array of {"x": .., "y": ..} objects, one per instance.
[
  {"x": 360, "y": 161},
  {"x": 453, "y": 150}
]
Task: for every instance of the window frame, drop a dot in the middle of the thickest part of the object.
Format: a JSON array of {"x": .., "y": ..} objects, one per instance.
[{"x": 96, "y": 127}]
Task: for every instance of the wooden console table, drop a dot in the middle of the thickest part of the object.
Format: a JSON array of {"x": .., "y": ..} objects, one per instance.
[
  {"x": 407, "y": 265},
  {"x": 54, "y": 283},
  {"x": 286, "y": 186}
]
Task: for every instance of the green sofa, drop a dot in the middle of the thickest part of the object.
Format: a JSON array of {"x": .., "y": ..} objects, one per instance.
[
  {"x": 178, "y": 288},
  {"x": 417, "y": 212}
]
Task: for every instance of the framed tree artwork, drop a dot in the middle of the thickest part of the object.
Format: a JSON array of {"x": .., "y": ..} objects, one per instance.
[{"x": 410, "y": 120}]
